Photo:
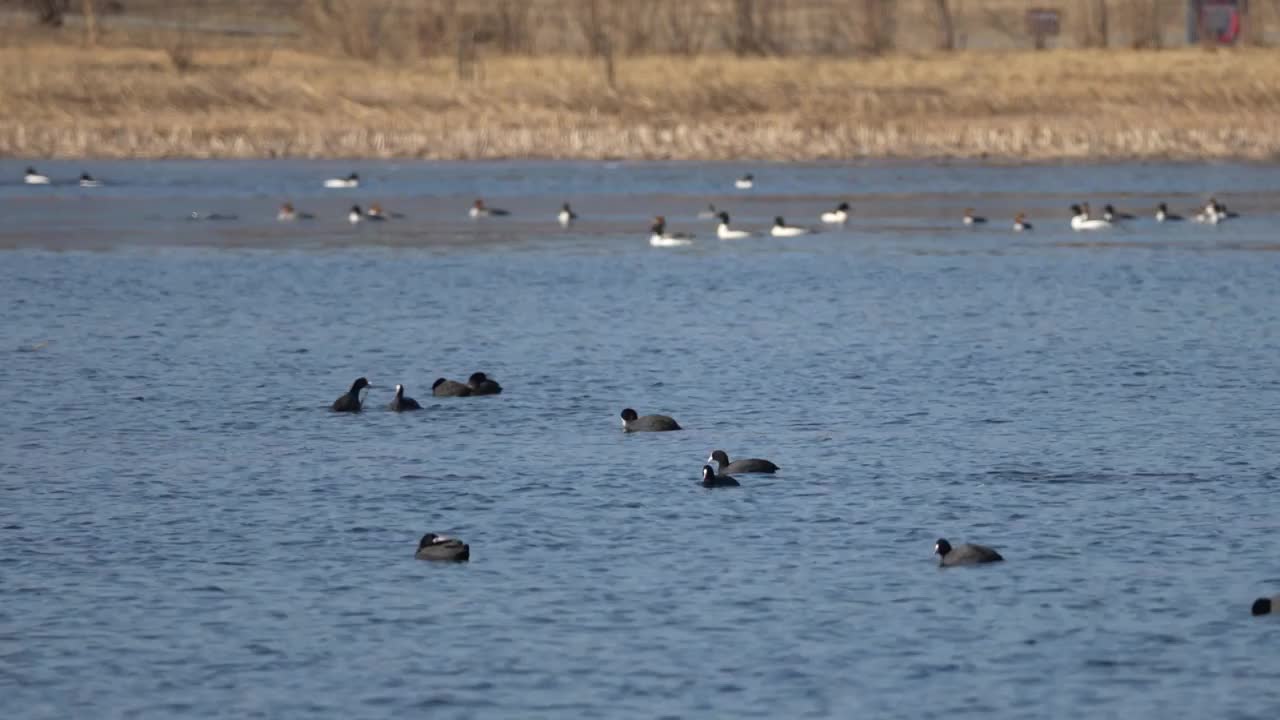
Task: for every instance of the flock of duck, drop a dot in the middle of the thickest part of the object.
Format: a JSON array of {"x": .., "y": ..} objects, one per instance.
[
  {"x": 436, "y": 547},
  {"x": 1082, "y": 218},
  {"x": 478, "y": 384},
  {"x": 433, "y": 546},
  {"x": 35, "y": 178}
]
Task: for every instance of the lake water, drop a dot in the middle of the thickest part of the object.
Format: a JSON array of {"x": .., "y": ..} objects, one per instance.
[{"x": 188, "y": 532}]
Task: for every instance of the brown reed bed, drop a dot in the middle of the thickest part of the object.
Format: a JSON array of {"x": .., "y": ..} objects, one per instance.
[{"x": 63, "y": 101}]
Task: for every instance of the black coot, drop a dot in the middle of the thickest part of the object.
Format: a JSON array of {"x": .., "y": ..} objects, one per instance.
[
  {"x": 750, "y": 465},
  {"x": 449, "y": 388},
  {"x": 439, "y": 547},
  {"x": 480, "y": 384},
  {"x": 647, "y": 423},
  {"x": 711, "y": 480},
  {"x": 350, "y": 402},
  {"x": 1266, "y": 605},
  {"x": 966, "y": 554},
  {"x": 400, "y": 403}
]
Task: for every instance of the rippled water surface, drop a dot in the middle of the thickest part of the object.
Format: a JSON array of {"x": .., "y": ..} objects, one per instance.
[{"x": 188, "y": 532}]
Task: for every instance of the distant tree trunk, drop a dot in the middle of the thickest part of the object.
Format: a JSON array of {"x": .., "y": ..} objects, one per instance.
[
  {"x": 744, "y": 41},
  {"x": 90, "y": 23},
  {"x": 946, "y": 27},
  {"x": 1155, "y": 25},
  {"x": 888, "y": 24},
  {"x": 49, "y": 12},
  {"x": 878, "y": 25},
  {"x": 600, "y": 43},
  {"x": 1104, "y": 32},
  {"x": 1095, "y": 31}
]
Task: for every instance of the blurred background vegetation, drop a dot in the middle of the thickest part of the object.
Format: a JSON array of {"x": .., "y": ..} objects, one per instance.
[
  {"x": 641, "y": 78},
  {"x": 400, "y": 30}
]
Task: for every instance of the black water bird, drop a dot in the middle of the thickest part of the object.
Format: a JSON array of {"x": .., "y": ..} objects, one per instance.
[
  {"x": 449, "y": 388},
  {"x": 647, "y": 423},
  {"x": 966, "y": 554},
  {"x": 350, "y": 402},
  {"x": 442, "y": 548},
  {"x": 747, "y": 466},
  {"x": 711, "y": 480},
  {"x": 480, "y": 384},
  {"x": 1265, "y": 605},
  {"x": 400, "y": 403}
]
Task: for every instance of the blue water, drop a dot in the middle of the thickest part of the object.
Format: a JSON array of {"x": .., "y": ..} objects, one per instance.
[{"x": 188, "y": 532}]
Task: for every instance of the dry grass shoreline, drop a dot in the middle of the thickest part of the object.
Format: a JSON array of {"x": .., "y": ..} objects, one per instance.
[{"x": 69, "y": 102}]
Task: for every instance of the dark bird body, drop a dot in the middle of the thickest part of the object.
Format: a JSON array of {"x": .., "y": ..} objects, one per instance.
[
  {"x": 400, "y": 403},
  {"x": 647, "y": 423},
  {"x": 480, "y": 384},
  {"x": 711, "y": 480},
  {"x": 350, "y": 402},
  {"x": 1266, "y": 605},
  {"x": 441, "y": 548},
  {"x": 747, "y": 466},
  {"x": 967, "y": 554},
  {"x": 449, "y": 388}
]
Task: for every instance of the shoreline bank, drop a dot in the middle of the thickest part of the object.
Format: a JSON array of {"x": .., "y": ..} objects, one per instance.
[
  {"x": 999, "y": 144},
  {"x": 1064, "y": 106}
]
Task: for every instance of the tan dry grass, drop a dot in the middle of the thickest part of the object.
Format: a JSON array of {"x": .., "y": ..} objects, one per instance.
[{"x": 119, "y": 102}]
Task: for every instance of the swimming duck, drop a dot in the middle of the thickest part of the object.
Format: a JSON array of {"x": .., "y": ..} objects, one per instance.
[
  {"x": 350, "y": 402},
  {"x": 971, "y": 219},
  {"x": 1080, "y": 220},
  {"x": 566, "y": 215},
  {"x": 659, "y": 237},
  {"x": 782, "y": 229},
  {"x": 375, "y": 212},
  {"x": 88, "y": 181},
  {"x": 1163, "y": 214},
  {"x": 724, "y": 232},
  {"x": 479, "y": 209},
  {"x": 647, "y": 423},
  {"x": 442, "y": 548},
  {"x": 350, "y": 181},
  {"x": 750, "y": 465},
  {"x": 1214, "y": 212},
  {"x": 839, "y": 216},
  {"x": 288, "y": 214},
  {"x": 1020, "y": 223},
  {"x": 711, "y": 480},
  {"x": 211, "y": 217},
  {"x": 711, "y": 213},
  {"x": 1110, "y": 214},
  {"x": 1265, "y": 605},
  {"x": 34, "y": 178},
  {"x": 355, "y": 215},
  {"x": 966, "y": 554},
  {"x": 480, "y": 384},
  {"x": 400, "y": 403},
  {"x": 746, "y": 182},
  {"x": 449, "y": 388}
]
